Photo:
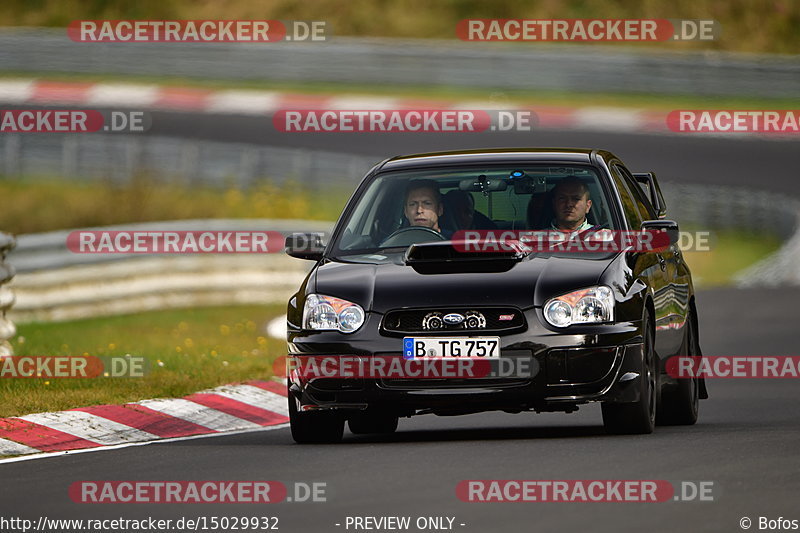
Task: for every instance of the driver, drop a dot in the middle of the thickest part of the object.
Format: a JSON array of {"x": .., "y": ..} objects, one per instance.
[
  {"x": 423, "y": 204},
  {"x": 571, "y": 203}
]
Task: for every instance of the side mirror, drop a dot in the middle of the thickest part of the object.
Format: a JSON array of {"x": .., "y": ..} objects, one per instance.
[
  {"x": 305, "y": 246},
  {"x": 670, "y": 227}
]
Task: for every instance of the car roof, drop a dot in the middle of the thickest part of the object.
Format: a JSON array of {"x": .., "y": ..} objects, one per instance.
[{"x": 495, "y": 155}]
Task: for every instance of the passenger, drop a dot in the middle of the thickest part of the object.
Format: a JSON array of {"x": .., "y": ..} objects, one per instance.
[
  {"x": 461, "y": 206},
  {"x": 539, "y": 214}
]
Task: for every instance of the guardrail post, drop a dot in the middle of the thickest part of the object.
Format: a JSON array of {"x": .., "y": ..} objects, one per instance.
[
  {"x": 7, "y": 328},
  {"x": 70, "y": 153},
  {"x": 248, "y": 161},
  {"x": 190, "y": 161},
  {"x": 12, "y": 153}
]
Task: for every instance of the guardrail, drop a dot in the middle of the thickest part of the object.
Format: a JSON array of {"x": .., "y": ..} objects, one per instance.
[
  {"x": 781, "y": 268},
  {"x": 422, "y": 62},
  {"x": 54, "y": 283},
  {"x": 48, "y": 251},
  {"x": 7, "y": 329},
  {"x": 121, "y": 157},
  {"x": 717, "y": 207}
]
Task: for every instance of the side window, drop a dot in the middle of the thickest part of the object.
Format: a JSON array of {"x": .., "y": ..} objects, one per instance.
[
  {"x": 642, "y": 202},
  {"x": 628, "y": 203}
]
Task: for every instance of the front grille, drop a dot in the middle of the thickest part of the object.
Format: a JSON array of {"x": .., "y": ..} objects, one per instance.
[
  {"x": 428, "y": 384},
  {"x": 441, "y": 320}
]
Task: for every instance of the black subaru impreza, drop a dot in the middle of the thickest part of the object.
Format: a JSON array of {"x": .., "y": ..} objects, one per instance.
[{"x": 413, "y": 274}]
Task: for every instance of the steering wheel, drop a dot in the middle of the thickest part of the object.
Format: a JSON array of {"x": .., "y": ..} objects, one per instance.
[{"x": 411, "y": 235}]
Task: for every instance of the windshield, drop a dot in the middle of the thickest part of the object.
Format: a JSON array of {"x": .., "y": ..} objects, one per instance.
[{"x": 402, "y": 208}]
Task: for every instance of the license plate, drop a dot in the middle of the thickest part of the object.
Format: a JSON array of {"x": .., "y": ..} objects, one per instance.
[{"x": 423, "y": 347}]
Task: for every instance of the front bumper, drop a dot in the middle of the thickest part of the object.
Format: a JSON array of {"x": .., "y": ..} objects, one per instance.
[{"x": 574, "y": 366}]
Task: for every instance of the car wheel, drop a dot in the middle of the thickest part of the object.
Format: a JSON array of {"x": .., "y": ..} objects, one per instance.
[
  {"x": 638, "y": 417},
  {"x": 681, "y": 403},
  {"x": 314, "y": 427},
  {"x": 366, "y": 422}
]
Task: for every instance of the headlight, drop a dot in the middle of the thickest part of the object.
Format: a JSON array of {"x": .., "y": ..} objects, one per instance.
[
  {"x": 329, "y": 313},
  {"x": 592, "y": 305}
]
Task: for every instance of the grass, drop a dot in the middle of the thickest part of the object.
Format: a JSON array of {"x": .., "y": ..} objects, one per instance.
[
  {"x": 730, "y": 253},
  {"x": 747, "y": 25},
  {"x": 186, "y": 350},
  {"x": 648, "y": 101},
  {"x": 85, "y": 204}
]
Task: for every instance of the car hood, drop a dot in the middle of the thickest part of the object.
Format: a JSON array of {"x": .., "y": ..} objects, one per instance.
[{"x": 392, "y": 284}]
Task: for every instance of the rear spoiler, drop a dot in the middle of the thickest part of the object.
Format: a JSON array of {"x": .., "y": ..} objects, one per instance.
[{"x": 649, "y": 183}]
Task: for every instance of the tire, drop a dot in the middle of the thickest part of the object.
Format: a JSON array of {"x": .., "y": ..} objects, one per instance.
[
  {"x": 680, "y": 404},
  {"x": 366, "y": 422},
  {"x": 315, "y": 427},
  {"x": 639, "y": 417}
]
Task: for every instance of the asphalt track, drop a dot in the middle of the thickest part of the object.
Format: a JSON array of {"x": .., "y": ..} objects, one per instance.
[{"x": 746, "y": 441}]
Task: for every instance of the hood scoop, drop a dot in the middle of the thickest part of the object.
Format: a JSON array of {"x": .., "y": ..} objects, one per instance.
[{"x": 445, "y": 257}]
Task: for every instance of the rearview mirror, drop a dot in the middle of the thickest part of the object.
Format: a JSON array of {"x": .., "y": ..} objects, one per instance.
[
  {"x": 530, "y": 185},
  {"x": 482, "y": 184}
]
